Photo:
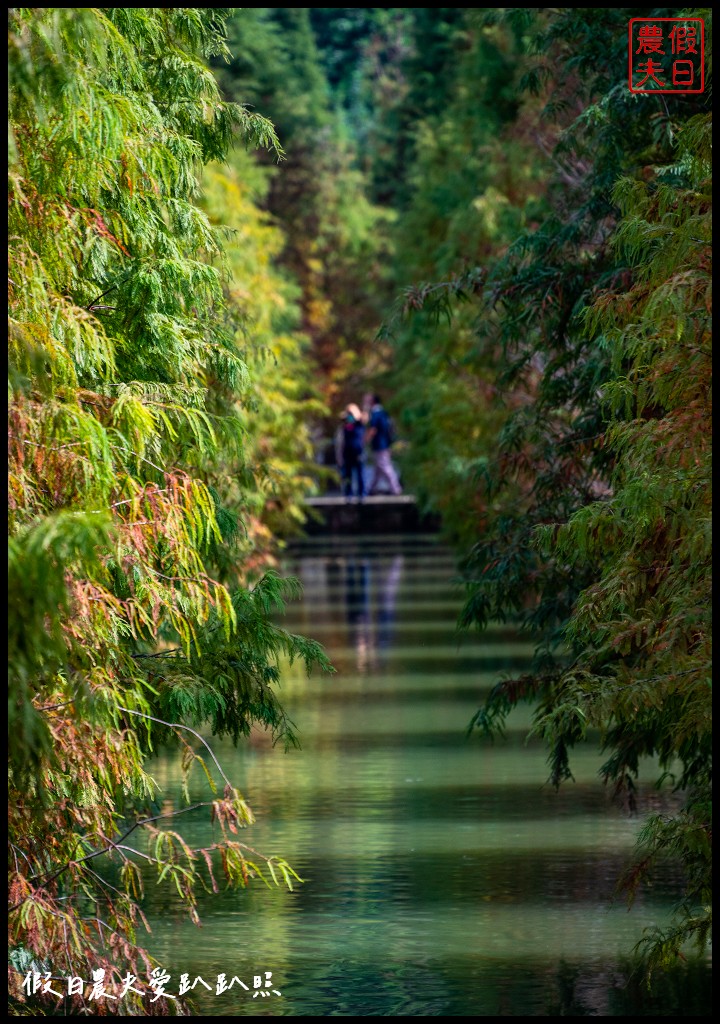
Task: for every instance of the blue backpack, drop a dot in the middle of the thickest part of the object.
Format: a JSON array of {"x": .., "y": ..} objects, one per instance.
[
  {"x": 390, "y": 428},
  {"x": 385, "y": 436}
]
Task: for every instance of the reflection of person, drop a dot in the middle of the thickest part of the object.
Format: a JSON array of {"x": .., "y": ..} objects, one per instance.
[
  {"x": 357, "y": 594},
  {"x": 388, "y": 596},
  {"x": 350, "y": 450},
  {"x": 380, "y": 438},
  {"x": 357, "y": 598}
]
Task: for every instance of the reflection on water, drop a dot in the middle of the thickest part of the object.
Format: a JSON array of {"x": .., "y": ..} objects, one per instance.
[
  {"x": 388, "y": 596},
  {"x": 442, "y": 877},
  {"x": 370, "y": 622},
  {"x": 357, "y": 600}
]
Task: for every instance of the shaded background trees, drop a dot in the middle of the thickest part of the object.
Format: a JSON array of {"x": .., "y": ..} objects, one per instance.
[{"x": 334, "y": 240}]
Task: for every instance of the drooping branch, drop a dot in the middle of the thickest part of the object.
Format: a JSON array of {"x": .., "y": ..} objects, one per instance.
[{"x": 178, "y": 725}]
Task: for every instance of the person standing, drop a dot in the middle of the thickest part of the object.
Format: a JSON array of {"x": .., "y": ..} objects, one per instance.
[
  {"x": 381, "y": 439},
  {"x": 352, "y": 433}
]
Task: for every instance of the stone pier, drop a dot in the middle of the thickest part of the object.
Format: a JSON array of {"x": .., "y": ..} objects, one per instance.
[{"x": 382, "y": 513}]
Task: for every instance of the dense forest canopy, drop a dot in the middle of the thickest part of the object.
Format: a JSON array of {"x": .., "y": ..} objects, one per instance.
[{"x": 226, "y": 223}]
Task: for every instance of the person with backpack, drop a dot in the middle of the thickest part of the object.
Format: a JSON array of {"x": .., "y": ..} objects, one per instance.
[
  {"x": 350, "y": 450},
  {"x": 381, "y": 436}
]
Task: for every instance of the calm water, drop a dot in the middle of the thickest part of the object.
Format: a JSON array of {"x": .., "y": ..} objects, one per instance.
[{"x": 442, "y": 876}]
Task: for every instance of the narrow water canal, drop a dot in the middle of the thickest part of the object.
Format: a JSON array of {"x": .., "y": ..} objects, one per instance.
[{"x": 442, "y": 876}]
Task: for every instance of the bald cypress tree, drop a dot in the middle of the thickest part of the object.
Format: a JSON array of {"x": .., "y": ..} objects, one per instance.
[
  {"x": 587, "y": 468},
  {"x": 126, "y": 627},
  {"x": 598, "y": 539}
]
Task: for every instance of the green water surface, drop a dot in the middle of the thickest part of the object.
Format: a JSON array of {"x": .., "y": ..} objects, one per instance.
[{"x": 442, "y": 875}]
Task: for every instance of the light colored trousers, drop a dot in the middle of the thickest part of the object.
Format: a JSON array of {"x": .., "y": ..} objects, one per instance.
[{"x": 385, "y": 469}]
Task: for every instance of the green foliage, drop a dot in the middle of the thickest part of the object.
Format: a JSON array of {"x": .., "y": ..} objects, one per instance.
[
  {"x": 129, "y": 396},
  {"x": 468, "y": 191},
  {"x": 586, "y": 479},
  {"x": 334, "y": 237},
  {"x": 364, "y": 53},
  {"x": 262, "y": 309}
]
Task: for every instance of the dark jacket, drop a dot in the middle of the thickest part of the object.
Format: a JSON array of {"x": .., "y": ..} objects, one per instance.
[
  {"x": 353, "y": 436},
  {"x": 380, "y": 425}
]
